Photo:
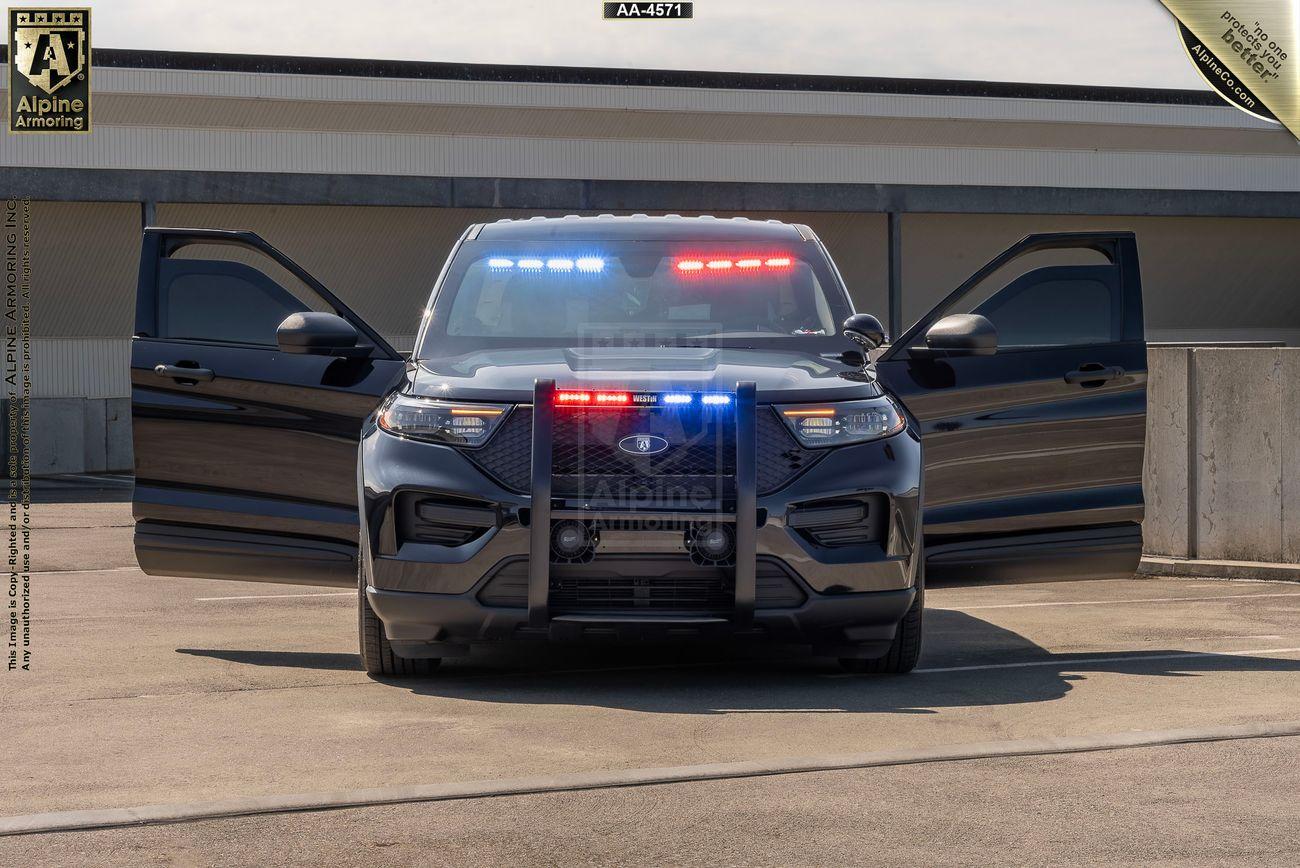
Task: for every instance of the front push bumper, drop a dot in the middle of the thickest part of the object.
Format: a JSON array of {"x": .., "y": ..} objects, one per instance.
[{"x": 845, "y": 601}]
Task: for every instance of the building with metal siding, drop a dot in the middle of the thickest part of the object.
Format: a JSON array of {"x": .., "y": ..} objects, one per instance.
[{"x": 365, "y": 172}]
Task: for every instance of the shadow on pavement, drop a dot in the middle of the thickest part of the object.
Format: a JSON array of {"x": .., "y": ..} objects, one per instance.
[
  {"x": 285, "y": 659},
  {"x": 733, "y": 679}
]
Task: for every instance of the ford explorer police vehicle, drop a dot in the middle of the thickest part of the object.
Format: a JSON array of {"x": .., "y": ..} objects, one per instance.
[{"x": 637, "y": 428}]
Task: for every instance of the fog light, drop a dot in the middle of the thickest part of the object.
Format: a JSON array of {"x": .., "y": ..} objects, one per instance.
[
  {"x": 572, "y": 541},
  {"x": 711, "y": 543}
]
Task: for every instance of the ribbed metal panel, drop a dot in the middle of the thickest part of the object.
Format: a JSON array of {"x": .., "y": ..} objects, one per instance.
[
  {"x": 85, "y": 258},
  {"x": 173, "y": 110},
  {"x": 81, "y": 368},
  {"x": 358, "y": 89},
  {"x": 393, "y": 154},
  {"x": 1229, "y": 276}
]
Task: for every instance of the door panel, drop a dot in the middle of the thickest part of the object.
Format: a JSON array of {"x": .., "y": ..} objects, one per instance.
[
  {"x": 1033, "y": 456},
  {"x": 246, "y": 470}
]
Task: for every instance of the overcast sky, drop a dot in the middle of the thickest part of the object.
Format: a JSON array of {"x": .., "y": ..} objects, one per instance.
[{"x": 1109, "y": 42}]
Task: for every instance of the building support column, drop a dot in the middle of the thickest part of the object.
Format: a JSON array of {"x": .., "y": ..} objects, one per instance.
[{"x": 895, "y": 258}]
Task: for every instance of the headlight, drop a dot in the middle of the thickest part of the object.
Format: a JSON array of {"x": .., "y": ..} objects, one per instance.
[
  {"x": 441, "y": 421},
  {"x": 841, "y": 422}
]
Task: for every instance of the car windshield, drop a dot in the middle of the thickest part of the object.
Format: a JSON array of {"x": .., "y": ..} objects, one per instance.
[{"x": 668, "y": 293}]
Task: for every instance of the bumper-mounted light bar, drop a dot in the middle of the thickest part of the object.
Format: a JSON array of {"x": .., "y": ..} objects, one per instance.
[{"x": 589, "y": 398}]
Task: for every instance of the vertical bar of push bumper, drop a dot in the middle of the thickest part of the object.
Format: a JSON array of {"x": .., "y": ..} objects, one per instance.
[
  {"x": 539, "y": 530},
  {"x": 746, "y": 500}
]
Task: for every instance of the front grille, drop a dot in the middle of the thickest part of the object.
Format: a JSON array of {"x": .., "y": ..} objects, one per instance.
[
  {"x": 586, "y": 457},
  {"x": 672, "y": 593},
  {"x": 698, "y": 465},
  {"x": 639, "y": 583}
]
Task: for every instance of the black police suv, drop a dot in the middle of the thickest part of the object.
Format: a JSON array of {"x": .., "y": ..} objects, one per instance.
[{"x": 637, "y": 428}]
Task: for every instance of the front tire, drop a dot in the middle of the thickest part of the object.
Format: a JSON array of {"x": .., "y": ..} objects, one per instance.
[
  {"x": 903, "y": 652},
  {"x": 377, "y": 655}
]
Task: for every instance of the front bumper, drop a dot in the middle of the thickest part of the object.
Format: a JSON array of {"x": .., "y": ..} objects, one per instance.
[{"x": 432, "y": 598}]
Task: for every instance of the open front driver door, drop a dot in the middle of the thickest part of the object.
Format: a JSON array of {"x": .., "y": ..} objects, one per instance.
[
  {"x": 246, "y": 450},
  {"x": 1033, "y": 434}
]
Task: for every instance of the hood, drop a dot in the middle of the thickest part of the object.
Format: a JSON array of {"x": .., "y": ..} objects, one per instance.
[{"x": 508, "y": 375}]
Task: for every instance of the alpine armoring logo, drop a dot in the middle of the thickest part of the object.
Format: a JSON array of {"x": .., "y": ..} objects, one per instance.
[{"x": 49, "y": 70}]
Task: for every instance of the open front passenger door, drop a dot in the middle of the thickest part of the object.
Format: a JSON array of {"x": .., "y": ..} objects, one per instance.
[
  {"x": 249, "y": 384},
  {"x": 1032, "y": 406}
]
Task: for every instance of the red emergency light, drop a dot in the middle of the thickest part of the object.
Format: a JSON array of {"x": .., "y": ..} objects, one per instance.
[
  {"x": 690, "y": 264},
  {"x": 592, "y": 399}
]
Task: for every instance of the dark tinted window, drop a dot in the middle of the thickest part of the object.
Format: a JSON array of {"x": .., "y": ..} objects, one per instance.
[
  {"x": 1039, "y": 311},
  {"x": 226, "y": 302}
]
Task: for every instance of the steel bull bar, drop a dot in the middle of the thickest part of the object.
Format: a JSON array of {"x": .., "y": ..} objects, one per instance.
[{"x": 745, "y": 519}]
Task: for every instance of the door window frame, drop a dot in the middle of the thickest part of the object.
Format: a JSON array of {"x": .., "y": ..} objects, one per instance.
[
  {"x": 1119, "y": 248},
  {"x": 161, "y": 244}
]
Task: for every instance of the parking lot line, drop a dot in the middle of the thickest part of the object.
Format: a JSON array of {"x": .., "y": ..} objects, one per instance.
[
  {"x": 1065, "y": 663},
  {"x": 275, "y": 596},
  {"x": 1110, "y": 602},
  {"x": 105, "y": 818}
]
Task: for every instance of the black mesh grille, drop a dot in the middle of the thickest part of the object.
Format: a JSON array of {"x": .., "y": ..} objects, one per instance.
[
  {"x": 698, "y": 465},
  {"x": 672, "y": 593},
  {"x": 635, "y": 583},
  {"x": 586, "y": 454}
]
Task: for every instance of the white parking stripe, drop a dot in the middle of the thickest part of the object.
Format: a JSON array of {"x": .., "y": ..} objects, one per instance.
[
  {"x": 1108, "y": 602},
  {"x": 276, "y": 596},
  {"x": 1066, "y": 663}
]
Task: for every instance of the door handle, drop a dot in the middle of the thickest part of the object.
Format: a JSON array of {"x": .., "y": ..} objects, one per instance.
[
  {"x": 1093, "y": 374},
  {"x": 179, "y": 372}
]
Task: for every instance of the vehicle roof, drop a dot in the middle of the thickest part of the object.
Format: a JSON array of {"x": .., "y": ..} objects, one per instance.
[{"x": 639, "y": 227}]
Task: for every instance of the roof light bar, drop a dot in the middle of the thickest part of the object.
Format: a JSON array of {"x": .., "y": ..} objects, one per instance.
[
  {"x": 587, "y": 264},
  {"x": 744, "y": 263}
]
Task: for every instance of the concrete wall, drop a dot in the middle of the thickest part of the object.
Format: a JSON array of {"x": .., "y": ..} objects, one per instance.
[
  {"x": 1223, "y": 454},
  {"x": 79, "y": 435}
]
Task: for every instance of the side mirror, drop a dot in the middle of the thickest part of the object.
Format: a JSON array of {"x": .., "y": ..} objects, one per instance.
[
  {"x": 865, "y": 330},
  {"x": 963, "y": 334},
  {"x": 322, "y": 334}
]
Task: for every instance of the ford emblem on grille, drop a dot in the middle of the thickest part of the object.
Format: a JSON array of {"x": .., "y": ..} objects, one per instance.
[{"x": 643, "y": 444}]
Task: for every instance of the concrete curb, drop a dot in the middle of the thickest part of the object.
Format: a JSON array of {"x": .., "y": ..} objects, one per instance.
[
  {"x": 68, "y": 821},
  {"x": 1155, "y": 565}
]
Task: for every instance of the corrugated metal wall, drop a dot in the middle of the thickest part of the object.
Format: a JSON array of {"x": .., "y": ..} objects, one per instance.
[
  {"x": 1204, "y": 278},
  {"x": 253, "y": 122}
]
